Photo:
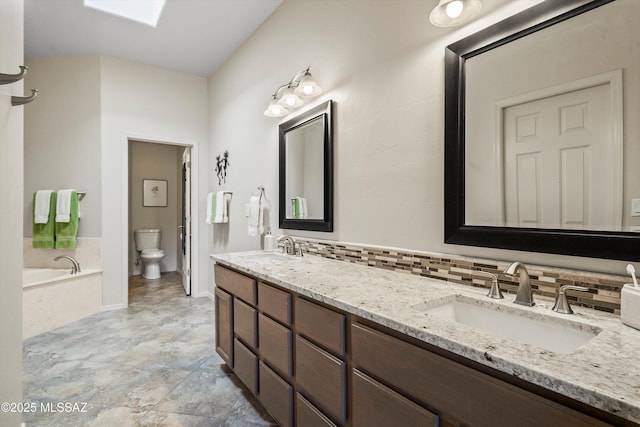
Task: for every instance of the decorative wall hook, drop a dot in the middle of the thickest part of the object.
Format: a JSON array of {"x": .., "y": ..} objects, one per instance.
[
  {"x": 221, "y": 167},
  {"x": 12, "y": 78},
  {"x": 20, "y": 100}
]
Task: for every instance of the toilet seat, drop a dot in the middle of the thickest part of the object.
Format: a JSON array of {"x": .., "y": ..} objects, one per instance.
[{"x": 152, "y": 253}]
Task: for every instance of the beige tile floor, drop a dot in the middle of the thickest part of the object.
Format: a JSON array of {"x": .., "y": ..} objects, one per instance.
[{"x": 152, "y": 364}]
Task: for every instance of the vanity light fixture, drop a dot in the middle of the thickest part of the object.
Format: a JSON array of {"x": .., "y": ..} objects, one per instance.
[
  {"x": 449, "y": 13},
  {"x": 288, "y": 96}
]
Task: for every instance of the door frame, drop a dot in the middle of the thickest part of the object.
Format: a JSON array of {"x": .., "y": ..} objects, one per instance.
[
  {"x": 126, "y": 138},
  {"x": 614, "y": 80}
]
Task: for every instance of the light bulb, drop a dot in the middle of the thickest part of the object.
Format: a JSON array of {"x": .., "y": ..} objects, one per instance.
[
  {"x": 307, "y": 89},
  {"x": 291, "y": 101},
  {"x": 454, "y": 9}
]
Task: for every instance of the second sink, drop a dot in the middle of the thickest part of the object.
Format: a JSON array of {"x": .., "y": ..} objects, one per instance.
[{"x": 547, "y": 332}]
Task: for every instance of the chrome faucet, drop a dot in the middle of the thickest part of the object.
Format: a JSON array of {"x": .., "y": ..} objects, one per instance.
[
  {"x": 562, "y": 304},
  {"x": 524, "y": 296},
  {"x": 495, "y": 291},
  {"x": 76, "y": 265},
  {"x": 289, "y": 245}
]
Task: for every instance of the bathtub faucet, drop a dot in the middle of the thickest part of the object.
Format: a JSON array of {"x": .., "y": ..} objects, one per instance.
[{"x": 76, "y": 265}]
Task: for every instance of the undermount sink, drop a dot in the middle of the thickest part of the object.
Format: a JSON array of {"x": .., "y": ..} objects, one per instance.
[{"x": 550, "y": 333}]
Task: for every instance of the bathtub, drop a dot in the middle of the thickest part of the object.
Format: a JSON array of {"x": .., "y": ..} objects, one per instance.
[{"x": 52, "y": 297}]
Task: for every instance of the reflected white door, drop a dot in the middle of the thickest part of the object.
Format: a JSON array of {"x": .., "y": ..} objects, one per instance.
[
  {"x": 558, "y": 162},
  {"x": 185, "y": 228}
]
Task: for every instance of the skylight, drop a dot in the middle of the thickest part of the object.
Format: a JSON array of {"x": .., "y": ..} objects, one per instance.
[{"x": 143, "y": 11}]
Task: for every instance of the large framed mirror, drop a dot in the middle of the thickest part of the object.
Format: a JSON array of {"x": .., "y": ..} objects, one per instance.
[
  {"x": 541, "y": 132},
  {"x": 306, "y": 170}
]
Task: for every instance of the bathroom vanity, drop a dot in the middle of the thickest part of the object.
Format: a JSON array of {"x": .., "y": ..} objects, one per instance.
[{"x": 328, "y": 343}]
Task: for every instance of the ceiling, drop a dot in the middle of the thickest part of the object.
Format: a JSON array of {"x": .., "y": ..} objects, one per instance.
[{"x": 192, "y": 36}]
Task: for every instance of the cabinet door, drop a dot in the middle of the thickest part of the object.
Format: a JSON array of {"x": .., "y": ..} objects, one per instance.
[
  {"x": 275, "y": 345},
  {"x": 224, "y": 325},
  {"x": 246, "y": 366},
  {"x": 308, "y": 415},
  {"x": 375, "y": 405},
  {"x": 245, "y": 323},
  {"x": 321, "y": 378},
  {"x": 236, "y": 284},
  {"x": 275, "y": 303},
  {"x": 276, "y": 395},
  {"x": 321, "y": 325}
]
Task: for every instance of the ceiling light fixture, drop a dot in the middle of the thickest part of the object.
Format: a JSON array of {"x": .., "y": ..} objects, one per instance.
[
  {"x": 143, "y": 11},
  {"x": 288, "y": 96},
  {"x": 449, "y": 13}
]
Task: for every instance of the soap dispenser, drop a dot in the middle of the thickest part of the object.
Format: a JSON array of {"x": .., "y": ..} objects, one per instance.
[{"x": 269, "y": 241}]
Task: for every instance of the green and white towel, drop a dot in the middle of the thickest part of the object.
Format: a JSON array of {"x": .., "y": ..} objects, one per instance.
[{"x": 44, "y": 219}]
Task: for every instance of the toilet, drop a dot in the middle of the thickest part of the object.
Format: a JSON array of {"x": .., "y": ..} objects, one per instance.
[{"x": 147, "y": 242}]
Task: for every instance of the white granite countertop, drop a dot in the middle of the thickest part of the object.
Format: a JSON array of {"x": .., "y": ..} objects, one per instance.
[{"x": 604, "y": 372}]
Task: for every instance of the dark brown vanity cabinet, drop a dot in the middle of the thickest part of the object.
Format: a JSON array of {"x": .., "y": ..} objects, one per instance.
[
  {"x": 224, "y": 326},
  {"x": 321, "y": 369},
  {"x": 236, "y": 324},
  {"x": 460, "y": 395},
  {"x": 310, "y": 365}
]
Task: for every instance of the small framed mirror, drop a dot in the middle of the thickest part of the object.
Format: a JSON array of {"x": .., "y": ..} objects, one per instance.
[{"x": 306, "y": 170}]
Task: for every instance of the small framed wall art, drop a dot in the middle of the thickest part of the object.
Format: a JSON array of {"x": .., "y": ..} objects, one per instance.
[{"x": 154, "y": 193}]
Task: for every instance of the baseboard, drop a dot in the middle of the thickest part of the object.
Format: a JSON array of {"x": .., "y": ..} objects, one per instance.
[
  {"x": 111, "y": 307},
  {"x": 206, "y": 294}
]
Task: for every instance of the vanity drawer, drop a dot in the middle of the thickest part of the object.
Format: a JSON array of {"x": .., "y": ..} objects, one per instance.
[
  {"x": 237, "y": 284},
  {"x": 308, "y": 415},
  {"x": 374, "y": 405},
  {"x": 275, "y": 345},
  {"x": 321, "y": 325},
  {"x": 246, "y": 366},
  {"x": 321, "y": 378},
  {"x": 223, "y": 306},
  {"x": 275, "y": 303},
  {"x": 245, "y": 323},
  {"x": 276, "y": 395},
  {"x": 469, "y": 396}
]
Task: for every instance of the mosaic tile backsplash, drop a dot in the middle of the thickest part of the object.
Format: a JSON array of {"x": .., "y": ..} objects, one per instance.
[{"x": 604, "y": 289}]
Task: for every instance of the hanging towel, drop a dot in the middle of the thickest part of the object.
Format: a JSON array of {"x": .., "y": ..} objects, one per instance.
[
  {"x": 211, "y": 207},
  {"x": 67, "y": 231},
  {"x": 41, "y": 206},
  {"x": 63, "y": 206},
  {"x": 217, "y": 211},
  {"x": 43, "y": 234},
  {"x": 255, "y": 216},
  {"x": 220, "y": 210}
]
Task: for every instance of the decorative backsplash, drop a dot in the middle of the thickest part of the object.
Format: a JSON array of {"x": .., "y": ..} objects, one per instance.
[{"x": 604, "y": 289}]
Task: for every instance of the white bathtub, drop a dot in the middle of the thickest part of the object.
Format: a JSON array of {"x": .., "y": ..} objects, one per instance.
[{"x": 52, "y": 297}]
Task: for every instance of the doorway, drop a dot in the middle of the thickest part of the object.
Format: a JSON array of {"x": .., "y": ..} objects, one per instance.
[{"x": 170, "y": 166}]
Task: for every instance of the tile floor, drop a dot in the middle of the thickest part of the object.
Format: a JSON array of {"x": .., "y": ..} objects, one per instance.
[{"x": 152, "y": 364}]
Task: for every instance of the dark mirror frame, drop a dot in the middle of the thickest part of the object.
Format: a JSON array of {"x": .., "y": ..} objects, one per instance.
[
  {"x": 321, "y": 112},
  {"x": 586, "y": 243}
]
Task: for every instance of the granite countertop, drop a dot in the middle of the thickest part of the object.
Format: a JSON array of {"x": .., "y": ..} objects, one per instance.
[{"x": 604, "y": 372}]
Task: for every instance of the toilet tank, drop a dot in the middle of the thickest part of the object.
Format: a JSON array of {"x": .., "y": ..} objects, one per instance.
[{"x": 147, "y": 238}]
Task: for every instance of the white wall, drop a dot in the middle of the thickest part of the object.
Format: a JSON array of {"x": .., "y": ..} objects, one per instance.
[
  {"x": 146, "y": 103},
  {"x": 62, "y": 135},
  {"x": 11, "y": 192},
  {"x": 155, "y": 161},
  {"x": 383, "y": 64}
]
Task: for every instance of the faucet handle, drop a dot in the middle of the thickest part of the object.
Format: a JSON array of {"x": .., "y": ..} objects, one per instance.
[
  {"x": 495, "y": 291},
  {"x": 562, "y": 304}
]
